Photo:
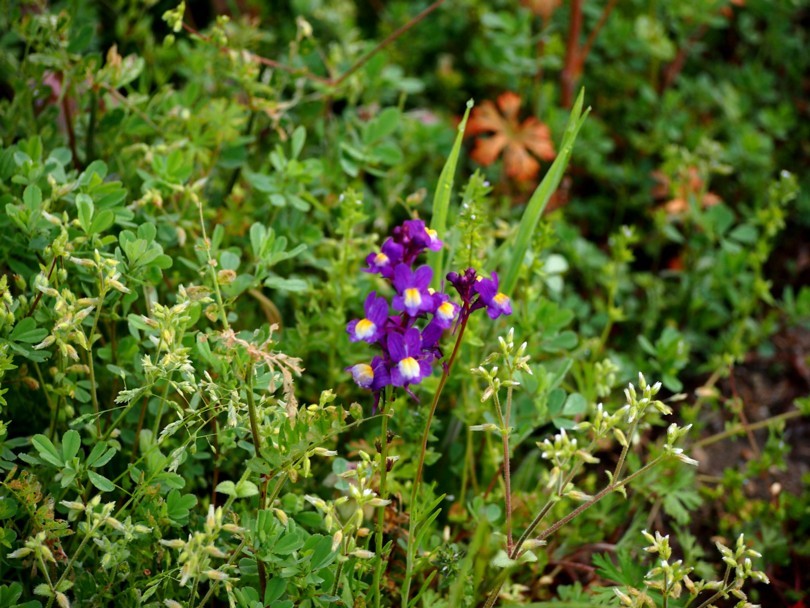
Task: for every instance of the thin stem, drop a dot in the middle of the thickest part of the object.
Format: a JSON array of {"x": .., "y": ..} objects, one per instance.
[
  {"x": 254, "y": 423},
  {"x": 163, "y": 399},
  {"x": 61, "y": 401},
  {"x": 332, "y": 82},
  {"x": 212, "y": 265},
  {"x": 493, "y": 595},
  {"x": 254, "y": 430},
  {"x": 507, "y": 472},
  {"x": 238, "y": 551},
  {"x": 572, "y": 66},
  {"x": 90, "y": 365},
  {"x": 406, "y": 585},
  {"x": 44, "y": 567},
  {"x": 739, "y": 429},
  {"x": 41, "y": 293},
  {"x": 620, "y": 465},
  {"x": 338, "y": 573},
  {"x": 386, "y": 41},
  {"x": 586, "y": 48},
  {"x": 73, "y": 558},
  {"x": 720, "y": 592},
  {"x": 89, "y": 141},
  {"x": 383, "y": 493}
]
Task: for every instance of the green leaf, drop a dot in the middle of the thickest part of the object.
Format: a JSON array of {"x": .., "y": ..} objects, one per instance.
[
  {"x": 85, "y": 208},
  {"x": 289, "y": 542},
  {"x": 32, "y": 197},
  {"x": 575, "y": 404},
  {"x": 98, "y": 456},
  {"x": 26, "y": 331},
  {"x": 501, "y": 560},
  {"x": 229, "y": 260},
  {"x": 47, "y": 451},
  {"x": 539, "y": 200},
  {"x": 178, "y": 506},
  {"x": 8, "y": 508},
  {"x": 71, "y": 443},
  {"x": 101, "y": 482},
  {"x": 43, "y": 589},
  {"x": 226, "y": 487},
  {"x": 441, "y": 200},
  {"x": 246, "y": 488},
  {"x": 276, "y": 587},
  {"x": 290, "y": 285},
  {"x": 556, "y": 399},
  {"x": 299, "y": 136},
  {"x": 101, "y": 221},
  {"x": 382, "y": 125}
]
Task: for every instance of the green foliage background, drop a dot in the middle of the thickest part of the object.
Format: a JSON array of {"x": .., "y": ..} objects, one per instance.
[{"x": 161, "y": 185}]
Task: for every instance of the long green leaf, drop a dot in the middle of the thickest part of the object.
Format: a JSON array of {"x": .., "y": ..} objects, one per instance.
[
  {"x": 537, "y": 204},
  {"x": 441, "y": 199}
]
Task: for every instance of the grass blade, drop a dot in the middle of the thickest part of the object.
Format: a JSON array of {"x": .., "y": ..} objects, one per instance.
[
  {"x": 441, "y": 200},
  {"x": 539, "y": 200}
]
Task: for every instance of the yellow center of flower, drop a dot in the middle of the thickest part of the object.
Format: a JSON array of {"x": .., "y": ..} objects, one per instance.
[
  {"x": 380, "y": 259},
  {"x": 409, "y": 368},
  {"x": 413, "y": 299},
  {"x": 364, "y": 329},
  {"x": 432, "y": 234},
  {"x": 363, "y": 373},
  {"x": 501, "y": 299},
  {"x": 446, "y": 311}
]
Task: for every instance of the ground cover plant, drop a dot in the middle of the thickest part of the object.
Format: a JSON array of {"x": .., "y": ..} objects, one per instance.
[{"x": 481, "y": 303}]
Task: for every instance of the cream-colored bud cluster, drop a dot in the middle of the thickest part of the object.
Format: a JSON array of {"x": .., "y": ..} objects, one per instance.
[
  {"x": 200, "y": 548},
  {"x": 671, "y": 578}
]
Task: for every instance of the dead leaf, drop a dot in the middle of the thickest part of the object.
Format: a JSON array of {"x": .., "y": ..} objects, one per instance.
[
  {"x": 506, "y": 134},
  {"x": 691, "y": 185}
]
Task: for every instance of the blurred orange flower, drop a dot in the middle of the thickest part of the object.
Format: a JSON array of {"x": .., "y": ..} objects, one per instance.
[
  {"x": 691, "y": 186},
  {"x": 506, "y": 134},
  {"x": 542, "y": 8}
]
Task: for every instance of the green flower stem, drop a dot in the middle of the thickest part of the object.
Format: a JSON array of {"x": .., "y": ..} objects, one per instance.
[
  {"x": 383, "y": 493},
  {"x": 503, "y": 418},
  {"x": 417, "y": 480},
  {"x": 493, "y": 595},
  {"x": 73, "y": 558},
  {"x": 60, "y": 402},
  {"x": 212, "y": 587},
  {"x": 722, "y": 591},
  {"x": 161, "y": 405},
  {"x": 623, "y": 456},
  {"x": 254, "y": 430},
  {"x": 91, "y": 366},
  {"x": 47, "y": 575},
  {"x": 211, "y": 264},
  {"x": 254, "y": 423},
  {"x": 739, "y": 429}
]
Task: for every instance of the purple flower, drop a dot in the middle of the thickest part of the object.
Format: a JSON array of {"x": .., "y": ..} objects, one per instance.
[
  {"x": 385, "y": 261},
  {"x": 413, "y": 289},
  {"x": 409, "y": 362},
  {"x": 497, "y": 302},
  {"x": 369, "y": 328},
  {"x": 445, "y": 311},
  {"x": 464, "y": 284},
  {"x": 374, "y": 376}
]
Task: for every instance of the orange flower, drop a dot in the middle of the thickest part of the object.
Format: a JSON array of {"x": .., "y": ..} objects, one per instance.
[
  {"x": 691, "y": 186},
  {"x": 542, "y": 8},
  {"x": 516, "y": 140}
]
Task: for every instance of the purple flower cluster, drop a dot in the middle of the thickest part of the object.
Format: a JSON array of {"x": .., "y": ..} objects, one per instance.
[{"x": 409, "y": 340}]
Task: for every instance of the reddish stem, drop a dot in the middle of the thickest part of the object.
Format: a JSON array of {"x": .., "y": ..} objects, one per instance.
[{"x": 573, "y": 65}]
